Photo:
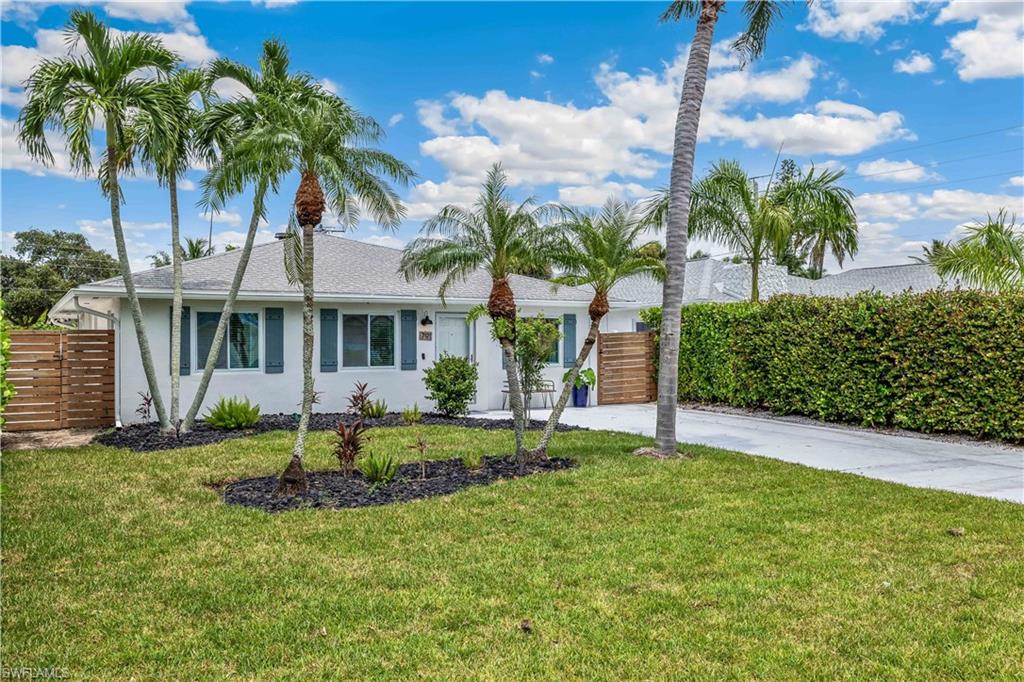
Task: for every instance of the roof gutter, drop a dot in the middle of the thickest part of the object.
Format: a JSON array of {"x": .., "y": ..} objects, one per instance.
[{"x": 116, "y": 322}]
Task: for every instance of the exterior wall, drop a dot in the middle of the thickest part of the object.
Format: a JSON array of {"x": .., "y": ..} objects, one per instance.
[
  {"x": 282, "y": 392},
  {"x": 619, "y": 320}
]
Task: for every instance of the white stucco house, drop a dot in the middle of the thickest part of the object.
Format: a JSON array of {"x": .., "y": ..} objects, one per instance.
[{"x": 371, "y": 325}]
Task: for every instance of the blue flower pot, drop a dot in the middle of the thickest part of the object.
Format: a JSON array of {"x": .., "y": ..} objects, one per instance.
[{"x": 580, "y": 396}]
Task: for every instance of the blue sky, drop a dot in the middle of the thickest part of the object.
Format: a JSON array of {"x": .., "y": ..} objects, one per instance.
[{"x": 578, "y": 101}]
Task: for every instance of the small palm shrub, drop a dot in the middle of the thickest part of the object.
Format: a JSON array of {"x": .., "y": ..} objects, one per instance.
[
  {"x": 233, "y": 413},
  {"x": 378, "y": 469},
  {"x": 473, "y": 460},
  {"x": 375, "y": 409},
  {"x": 412, "y": 415},
  {"x": 348, "y": 444},
  {"x": 359, "y": 398},
  {"x": 451, "y": 384}
]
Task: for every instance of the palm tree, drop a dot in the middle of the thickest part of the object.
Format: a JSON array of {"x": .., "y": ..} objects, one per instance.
[
  {"x": 169, "y": 153},
  {"x": 238, "y": 130},
  {"x": 930, "y": 254},
  {"x": 196, "y": 248},
  {"x": 108, "y": 84},
  {"x": 990, "y": 256},
  {"x": 760, "y": 14},
  {"x": 499, "y": 236},
  {"x": 727, "y": 206},
  {"x": 598, "y": 250},
  {"x": 824, "y": 218},
  {"x": 323, "y": 138}
]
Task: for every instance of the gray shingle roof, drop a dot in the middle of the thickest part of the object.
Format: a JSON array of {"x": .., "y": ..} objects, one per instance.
[
  {"x": 343, "y": 267},
  {"x": 886, "y": 279}
]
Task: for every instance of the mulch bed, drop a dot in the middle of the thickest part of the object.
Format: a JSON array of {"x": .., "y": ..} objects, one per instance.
[
  {"x": 334, "y": 490},
  {"x": 147, "y": 437}
]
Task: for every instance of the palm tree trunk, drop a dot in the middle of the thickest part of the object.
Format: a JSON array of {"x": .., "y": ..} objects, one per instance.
[
  {"x": 126, "y": 273},
  {"x": 176, "y": 257},
  {"x": 755, "y": 286},
  {"x": 681, "y": 178},
  {"x": 818, "y": 265},
  {"x": 229, "y": 306},
  {"x": 549, "y": 429},
  {"x": 293, "y": 479},
  {"x": 515, "y": 398}
]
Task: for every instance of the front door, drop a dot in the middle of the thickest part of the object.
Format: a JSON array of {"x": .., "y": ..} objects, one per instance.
[{"x": 452, "y": 335}]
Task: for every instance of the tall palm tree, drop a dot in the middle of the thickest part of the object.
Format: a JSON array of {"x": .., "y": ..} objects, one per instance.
[
  {"x": 169, "y": 153},
  {"x": 728, "y": 207},
  {"x": 196, "y": 248},
  {"x": 323, "y": 138},
  {"x": 598, "y": 250},
  {"x": 501, "y": 237},
  {"x": 931, "y": 253},
  {"x": 990, "y": 256},
  {"x": 108, "y": 84},
  {"x": 824, "y": 219},
  {"x": 760, "y": 15},
  {"x": 238, "y": 130}
]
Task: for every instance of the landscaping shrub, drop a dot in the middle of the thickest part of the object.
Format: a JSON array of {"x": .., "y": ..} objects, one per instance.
[
  {"x": 233, "y": 413},
  {"x": 412, "y": 415},
  {"x": 6, "y": 387},
  {"x": 375, "y": 409},
  {"x": 451, "y": 384},
  {"x": 378, "y": 469},
  {"x": 349, "y": 444},
  {"x": 944, "y": 361},
  {"x": 359, "y": 398}
]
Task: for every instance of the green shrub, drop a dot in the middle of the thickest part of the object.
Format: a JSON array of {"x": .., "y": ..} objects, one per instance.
[
  {"x": 378, "y": 469},
  {"x": 944, "y": 361},
  {"x": 348, "y": 445},
  {"x": 233, "y": 413},
  {"x": 451, "y": 384},
  {"x": 375, "y": 409},
  {"x": 6, "y": 387},
  {"x": 412, "y": 415}
]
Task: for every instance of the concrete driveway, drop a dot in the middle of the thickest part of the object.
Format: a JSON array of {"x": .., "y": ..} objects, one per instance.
[{"x": 977, "y": 469}]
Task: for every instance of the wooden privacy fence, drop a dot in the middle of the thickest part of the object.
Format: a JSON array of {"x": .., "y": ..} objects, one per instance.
[
  {"x": 62, "y": 379},
  {"x": 625, "y": 368}
]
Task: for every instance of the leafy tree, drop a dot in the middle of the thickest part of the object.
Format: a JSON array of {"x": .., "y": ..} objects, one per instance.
[
  {"x": 598, "y": 250},
  {"x": 535, "y": 337},
  {"x": 760, "y": 16},
  {"x": 46, "y": 265},
  {"x": 990, "y": 256},
  {"x": 108, "y": 84},
  {"x": 503, "y": 238},
  {"x": 160, "y": 259}
]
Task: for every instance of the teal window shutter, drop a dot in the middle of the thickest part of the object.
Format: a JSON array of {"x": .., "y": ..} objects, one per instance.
[
  {"x": 408, "y": 339},
  {"x": 569, "y": 340},
  {"x": 273, "y": 341},
  {"x": 328, "y": 340},
  {"x": 186, "y": 340}
]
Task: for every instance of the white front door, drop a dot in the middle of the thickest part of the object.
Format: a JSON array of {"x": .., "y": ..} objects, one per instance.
[{"x": 452, "y": 335}]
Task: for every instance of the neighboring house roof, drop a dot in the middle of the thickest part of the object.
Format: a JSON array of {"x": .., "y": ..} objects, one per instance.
[
  {"x": 710, "y": 280},
  {"x": 342, "y": 268}
]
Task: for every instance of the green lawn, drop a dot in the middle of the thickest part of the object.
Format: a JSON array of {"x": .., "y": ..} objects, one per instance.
[{"x": 118, "y": 564}]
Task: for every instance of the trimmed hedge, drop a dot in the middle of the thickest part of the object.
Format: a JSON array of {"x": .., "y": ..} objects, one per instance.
[{"x": 944, "y": 361}]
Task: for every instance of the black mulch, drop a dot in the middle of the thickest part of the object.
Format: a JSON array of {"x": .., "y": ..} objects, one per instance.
[
  {"x": 147, "y": 437},
  {"x": 333, "y": 490}
]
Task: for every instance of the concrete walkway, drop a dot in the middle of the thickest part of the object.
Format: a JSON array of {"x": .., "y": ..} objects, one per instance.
[{"x": 977, "y": 469}]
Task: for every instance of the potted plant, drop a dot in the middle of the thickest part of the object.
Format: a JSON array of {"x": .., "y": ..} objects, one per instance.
[{"x": 581, "y": 389}]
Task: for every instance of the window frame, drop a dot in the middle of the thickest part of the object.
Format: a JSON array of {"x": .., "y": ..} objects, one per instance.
[
  {"x": 369, "y": 315},
  {"x": 227, "y": 340}
]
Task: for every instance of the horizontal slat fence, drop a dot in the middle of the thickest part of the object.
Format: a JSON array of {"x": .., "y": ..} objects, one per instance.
[
  {"x": 62, "y": 379},
  {"x": 625, "y": 368}
]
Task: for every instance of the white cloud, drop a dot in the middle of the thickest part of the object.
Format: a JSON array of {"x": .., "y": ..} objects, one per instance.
[
  {"x": 274, "y": 4},
  {"x": 154, "y": 12},
  {"x": 427, "y": 198},
  {"x": 13, "y": 157},
  {"x": 329, "y": 85},
  {"x": 596, "y": 195},
  {"x": 1017, "y": 181},
  {"x": 917, "y": 62},
  {"x": 536, "y": 74},
  {"x": 384, "y": 240},
  {"x": 222, "y": 217},
  {"x": 891, "y": 205},
  {"x": 545, "y": 59},
  {"x": 95, "y": 227},
  {"x": 431, "y": 115},
  {"x": 961, "y": 204},
  {"x": 994, "y": 48},
  {"x": 849, "y": 20},
  {"x": 884, "y": 170},
  {"x": 879, "y": 243},
  {"x": 186, "y": 185},
  {"x": 237, "y": 238},
  {"x": 395, "y": 120},
  {"x": 229, "y": 88}
]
